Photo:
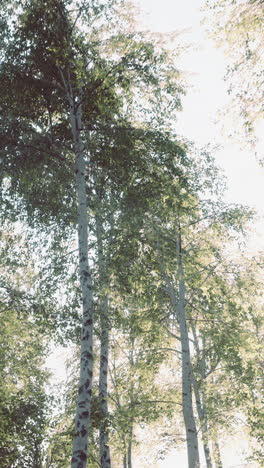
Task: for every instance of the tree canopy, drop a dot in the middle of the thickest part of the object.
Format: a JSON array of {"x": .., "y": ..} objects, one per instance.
[{"x": 127, "y": 251}]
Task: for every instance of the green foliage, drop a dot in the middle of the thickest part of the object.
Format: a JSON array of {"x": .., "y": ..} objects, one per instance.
[
  {"x": 237, "y": 27},
  {"x": 23, "y": 403},
  {"x": 49, "y": 47},
  {"x": 146, "y": 186}
]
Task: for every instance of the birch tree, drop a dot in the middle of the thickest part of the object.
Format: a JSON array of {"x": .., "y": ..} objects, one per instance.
[
  {"x": 167, "y": 194},
  {"x": 177, "y": 213},
  {"x": 61, "y": 84}
]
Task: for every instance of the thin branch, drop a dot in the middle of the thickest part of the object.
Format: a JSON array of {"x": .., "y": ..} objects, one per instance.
[
  {"x": 159, "y": 401},
  {"x": 173, "y": 335},
  {"x": 52, "y": 153},
  {"x": 169, "y": 349},
  {"x": 161, "y": 349},
  {"x": 213, "y": 368},
  {"x": 68, "y": 253},
  {"x": 177, "y": 337},
  {"x": 206, "y": 278},
  {"x": 199, "y": 220},
  {"x": 77, "y": 17},
  {"x": 215, "y": 264}
]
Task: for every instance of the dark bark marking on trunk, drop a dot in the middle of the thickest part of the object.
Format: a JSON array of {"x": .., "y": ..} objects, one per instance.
[
  {"x": 83, "y": 456},
  {"x": 83, "y": 431}
]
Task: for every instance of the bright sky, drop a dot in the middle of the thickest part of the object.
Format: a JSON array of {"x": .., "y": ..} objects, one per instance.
[{"x": 207, "y": 96}]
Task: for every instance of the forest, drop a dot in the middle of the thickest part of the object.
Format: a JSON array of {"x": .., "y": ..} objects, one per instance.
[{"x": 118, "y": 247}]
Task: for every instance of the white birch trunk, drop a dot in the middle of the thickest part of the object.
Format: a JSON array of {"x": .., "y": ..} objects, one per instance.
[
  {"x": 200, "y": 399},
  {"x": 132, "y": 399},
  {"x": 188, "y": 415},
  {"x": 103, "y": 403},
  {"x": 204, "y": 424},
  {"x": 178, "y": 306},
  {"x": 83, "y": 411},
  {"x": 105, "y": 458},
  {"x": 217, "y": 455}
]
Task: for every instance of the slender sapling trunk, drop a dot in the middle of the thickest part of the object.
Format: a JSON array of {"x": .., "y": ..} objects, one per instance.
[
  {"x": 188, "y": 415},
  {"x": 129, "y": 449},
  {"x": 204, "y": 424}
]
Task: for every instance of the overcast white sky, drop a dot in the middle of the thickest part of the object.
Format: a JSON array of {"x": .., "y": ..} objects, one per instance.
[{"x": 208, "y": 95}]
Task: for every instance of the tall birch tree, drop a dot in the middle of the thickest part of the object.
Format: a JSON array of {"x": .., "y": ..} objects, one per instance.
[{"x": 63, "y": 88}]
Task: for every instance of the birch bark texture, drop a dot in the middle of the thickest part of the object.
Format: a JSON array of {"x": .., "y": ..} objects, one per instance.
[
  {"x": 105, "y": 458},
  {"x": 200, "y": 397},
  {"x": 188, "y": 414},
  {"x": 201, "y": 410},
  {"x": 83, "y": 410}
]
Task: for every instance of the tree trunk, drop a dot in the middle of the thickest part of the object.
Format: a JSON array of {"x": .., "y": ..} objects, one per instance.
[
  {"x": 104, "y": 352},
  {"x": 124, "y": 462},
  {"x": 125, "y": 452},
  {"x": 178, "y": 306},
  {"x": 200, "y": 399},
  {"x": 103, "y": 404},
  {"x": 83, "y": 411},
  {"x": 203, "y": 422},
  {"x": 188, "y": 415},
  {"x": 129, "y": 450},
  {"x": 217, "y": 455}
]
